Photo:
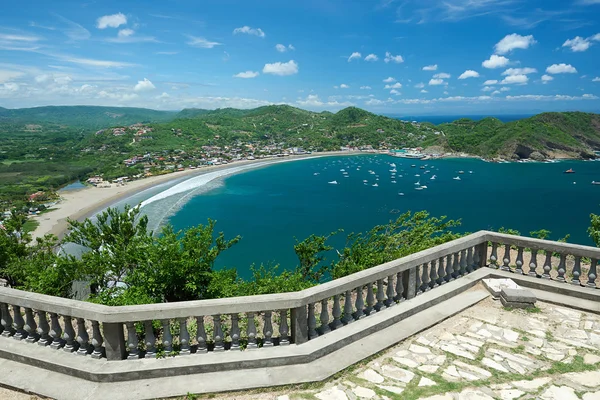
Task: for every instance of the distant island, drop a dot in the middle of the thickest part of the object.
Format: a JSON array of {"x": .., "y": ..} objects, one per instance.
[{"x": 44, "y": 148}]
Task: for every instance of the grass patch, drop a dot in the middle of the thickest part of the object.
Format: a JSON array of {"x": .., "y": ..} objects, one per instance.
[
  {"x": 533, "y": 310},
  {"x": 30, "y": 225}
]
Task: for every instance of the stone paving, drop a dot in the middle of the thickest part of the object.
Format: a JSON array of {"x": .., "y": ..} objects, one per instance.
[{"x": 485, "y": 352}]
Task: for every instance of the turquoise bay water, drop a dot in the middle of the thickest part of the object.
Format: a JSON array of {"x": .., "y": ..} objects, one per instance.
[{"x": 270, "y": 206}]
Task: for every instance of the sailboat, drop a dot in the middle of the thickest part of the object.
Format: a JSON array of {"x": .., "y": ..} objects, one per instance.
[{"x": 333, "y": 183}]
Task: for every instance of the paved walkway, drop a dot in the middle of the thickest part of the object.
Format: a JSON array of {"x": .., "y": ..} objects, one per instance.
[{"x": 483, "y": 353}]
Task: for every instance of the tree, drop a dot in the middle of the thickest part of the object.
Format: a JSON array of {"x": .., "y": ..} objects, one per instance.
[
  {"x": 310, "y": 254},
  {"x": 594, "y": 229}
]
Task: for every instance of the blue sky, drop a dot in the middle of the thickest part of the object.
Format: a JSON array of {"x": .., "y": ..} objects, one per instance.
[{"x": 411, "y": 57}]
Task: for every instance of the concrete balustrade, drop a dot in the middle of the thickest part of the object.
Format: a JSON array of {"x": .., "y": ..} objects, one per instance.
[{"x": 260, "y": 323}]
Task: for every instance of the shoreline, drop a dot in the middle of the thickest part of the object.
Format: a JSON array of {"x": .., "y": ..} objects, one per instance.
[{"x": 83, "y": 203}]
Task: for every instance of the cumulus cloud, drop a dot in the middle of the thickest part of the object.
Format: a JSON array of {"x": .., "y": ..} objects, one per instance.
[
  {"x": 144, "y": 86},
  {"x": 596, "y": 79},
  {"x": 487, "y": 89},
  {"x": 371, "y": 57},
  {"x": 495, "y": 61},
  {"x": 546, "y": 78},
  {"x": 395, "y": 92},
  {"x": 515, "y": 80},
  {"x": 249, "y": 31},
  {"x": 202, "y": 42},
  {"x": 424, "y": 91},
  {"x": 354, "y": 56},
  {"x": 442, "y": 75},
  {"x": 512, "y": 42},
  {"x": 282, "y": 48},
  {"x": 389, "y": 80},
  {"x": 520, "y": 71},
  {"x": 111, "y": 21},
  {"x": 577, "y": 44},
  {"x": 490, "y": 82},
  {"x": 6, "y": 76},
  {"x": 433, "y": 67},
  {"x": 435, "y": 82},
  {"x": 281, "y": 69},
  {"x": 420, "y": 85},
  {"x": 126, "y": 32},
  {"x": 342, "y": 86},
  {"x": 365, "y": 87},
  {"x": 561, "y": 69},
  {"x": 246, "y": 75},
  {"x": 395, "y": 59},
  {"x": 312, "y": 100},
  {"x": 396, "y": 85},
  {"x": 469, "y": 74}
]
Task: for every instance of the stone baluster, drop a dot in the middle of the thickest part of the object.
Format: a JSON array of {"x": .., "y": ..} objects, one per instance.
[
  {"x": 55, "y": 332},
  {"x": 312, "y": 322},
  {"x": 359, "y": 304},
  {"x": 399, "y": 287},
  {"x": 463, "y": 263},
  {"x": 592, "y": 274},
  {"x": 433, "y": 277},
  {"x": 132, "y": 341},
  {"x": 82, "y": 338},
  {"x": 425, "y": 278},
  {"x": 370, "y": 299},
  {"x": 576, "y": 271},
  {"x": 456, "y": 266},
  {"x": 336, "y": 312},
  {"x": 506, "y": 259},
  {"x": 218, "y": 333},
  {"x": 533, "y": 263},
  {"x": 6, "y": 321},
  {"x": 449, "y": 269},
  {"x": 418, "y": 285},
  {"x": 547, "y": 265},
  {"x": 519, "y": 261},
  {"x": 235, "y": 332},
  {"x": 251, "y": 332},
  {"x": 43, "y": 329},
  {"x": 380, "y": 296},
  {"x": 390, "y": 292},
  {"x": 18, "y": 324},
  {"x": 469, "y": 268},
  {"x": 150, "y": 339},
  {"x": 324, "y": 328},
  {"x": 348, "y": 318},
  {"x": 184, "y": 337},
  {"x": 69, "y": 335},
  {"x": 268, "y": 329},
  {"x": 30, "y": 326},
  {"x": 97, "y": 340},
  {"x": 562, "y": 268},
  {"x": 201, "y": 336},
  {"x": 441, "y": 272},
  {"x": 494, "y": 256},
  {"x": 167, "y": 337},
  {"x": 284, "y": 329}
]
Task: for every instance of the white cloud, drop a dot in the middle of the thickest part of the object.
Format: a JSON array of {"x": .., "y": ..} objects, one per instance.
[
  {"x": 495, "y": 92},
  {"x": 395, "y": 59},
  {"x": 490, "y": 82},
  {"x": 281, "y": 69},
  {"x": 9, "y": 37},
  {"x": 73, "y": 30},
  {"x": 395, "y": 92},
  {"x": 371, "y": 57},
  {"x": 202, "y": 42},
  {"x": 435, "y": 82},
  {"x": 424, "y": 91},
  {"x": 164, "y": 95},
  {"x": 577, "y": 44},
  {"x": 495, "y": 62},
  {"x": 282, "y": 48},
  {"x": 442, "y": 75},
  {"x": 111, "y": 21},
  {"x": 546, "y": 78},
  {"x": 561, "y": 69},
  {"x": 6, "y": 76},
  {"x": 420, "y": 85},
  {"x": 596, "y": 79},
  {"x": 354, "y": 56},
  {"x": 246, "y": 74},
  {"x": 520, "y": 71},
  {"x": 433, "y": 67},
  {"x": 396, "y": 85},
  {"x": 365, "y": 87},
  {"x": 512, "y": 42},
  {"x": 312, "y": 100},
  {"x": 249, "y": 31},
  {"x": 469, "y": 74},
  {"x": 504, "y": 89},
  {"x": 144, "y": 86},
  {"x": 487, "y": 89},
  {"x": 344, "y": 86},
  {"x": 92, "y": 62},
  {"x": 389, "y": 80},
  {"x": 291, "y": 47},
  {"x": 126, "y": 32},
  {"x": 550, "y": 97},
  {"x": 515, "y": 79}
]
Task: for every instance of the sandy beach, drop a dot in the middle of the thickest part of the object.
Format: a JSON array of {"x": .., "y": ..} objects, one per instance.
[{"x": 83, "y": 203}]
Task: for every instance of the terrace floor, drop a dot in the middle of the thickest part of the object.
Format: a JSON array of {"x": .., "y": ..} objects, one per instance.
[{"x": 484, "y": 352}]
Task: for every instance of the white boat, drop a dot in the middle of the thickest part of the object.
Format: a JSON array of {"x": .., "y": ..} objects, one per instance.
[
  {"x": 423, "y": 187},
  {"x": 393, "y": 170},
  {"x": 470, "y": 172},
  {"x": 417, "y": 175},
  {"x": 456, "y": 178},
  {"x": 400, "y": 194},
  {"x": 393, "y": 165},
  {"x": 461, "y": 172},
  {"x": 342, "y": 170},
  {"x": 316, "y": 173},
  {"x": 375, "y": 185},
  {"x": 376, "y": 179},
  {"x": 333, "y": 183},
  {"x": 393, "y": 181},
  {"x": 345, "y": 173},
  {"x": 417, "y": 183},
  {"x": 433, "y": 177},
  {"x": 595, "y": 183},
  {"x": 346, "y": 176},
  {"x": 364, "y": 180},
  {"x": 399, "y": 176},
  {"x": 419, "y": 188}
]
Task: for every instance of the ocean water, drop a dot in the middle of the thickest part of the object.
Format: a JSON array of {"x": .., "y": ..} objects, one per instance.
[
  {"x": 271, "y": 206},
  {"x": 442, "y": 119}
]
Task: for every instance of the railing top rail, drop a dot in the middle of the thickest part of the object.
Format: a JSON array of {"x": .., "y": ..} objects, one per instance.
[
  {"x": 101, "y": 313},
  {"x": 539, "y": 244}
]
